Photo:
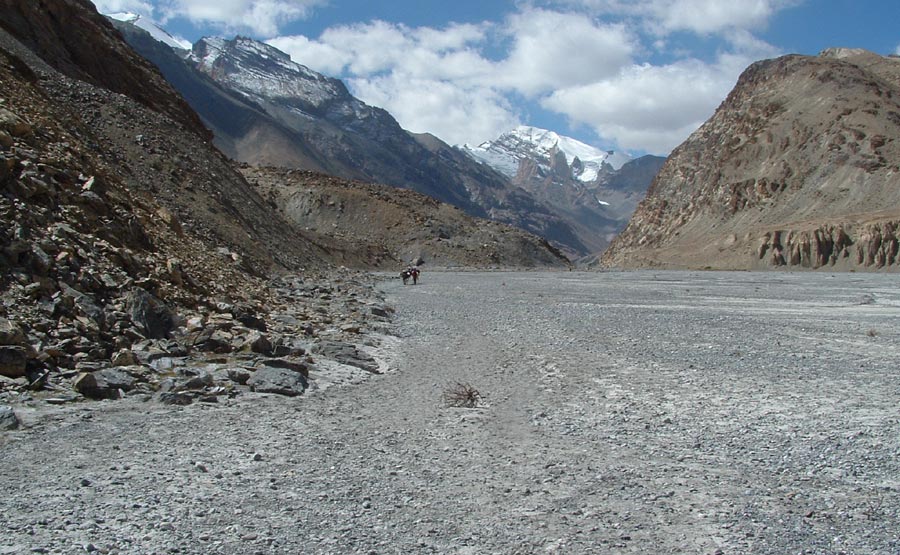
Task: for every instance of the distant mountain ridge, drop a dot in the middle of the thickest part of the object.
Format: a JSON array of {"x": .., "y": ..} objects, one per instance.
[
  {"x": 269, "y": 111},
  {"x": 595, "y": 190},
  {"x": 526, "y": 142},
  {"x": 266, "y": 110}
]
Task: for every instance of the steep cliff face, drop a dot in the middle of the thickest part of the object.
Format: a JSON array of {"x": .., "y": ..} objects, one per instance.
[{"x": 798, "y": 167}]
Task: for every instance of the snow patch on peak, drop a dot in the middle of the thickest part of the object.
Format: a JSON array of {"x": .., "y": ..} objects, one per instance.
[
  {"x": 505, "y": 153},
  {"x": 264, "y": 73},
  {"x": 151, "y": 27}
]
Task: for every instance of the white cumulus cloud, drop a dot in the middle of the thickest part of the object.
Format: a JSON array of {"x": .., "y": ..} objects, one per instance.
[
  {"x": 434, "y": 80},
  {"x": 697, "y": 16},
  {"x": 261, "y": 17},
  {"x": 117, "y": 6},
  {"x": 552, "y": 49},
  {"x": 651, "y": 108},
  {"x": 455, "y": 113}
]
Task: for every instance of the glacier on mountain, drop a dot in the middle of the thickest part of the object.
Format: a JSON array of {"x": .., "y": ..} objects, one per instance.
[{"x": 505, "y": 153}]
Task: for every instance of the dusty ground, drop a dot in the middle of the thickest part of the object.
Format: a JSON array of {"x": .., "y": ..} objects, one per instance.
[{"x": 623, "y": 413}]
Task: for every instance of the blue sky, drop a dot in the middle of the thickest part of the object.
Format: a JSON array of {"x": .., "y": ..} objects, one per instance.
[{"x": 633, "y": 75}]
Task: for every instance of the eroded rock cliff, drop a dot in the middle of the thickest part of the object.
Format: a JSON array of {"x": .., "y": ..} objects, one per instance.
[{"x": 797, "y": 168}]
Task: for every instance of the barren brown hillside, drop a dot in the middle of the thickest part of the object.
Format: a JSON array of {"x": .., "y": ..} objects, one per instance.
[
  {"x": 396, "y": 226},
  {"x": 799, "y": 167}
]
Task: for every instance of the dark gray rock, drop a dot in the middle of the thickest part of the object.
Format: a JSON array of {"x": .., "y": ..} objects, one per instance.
[
  {"x": 13, "y": 361},
  {"x": 149, "y": 314},
  {"x": 294, "y": 365},
  {"x": 104, "y": 384},
  {"x": 346, "y": 353},
  {"x": 10, "y": 333},
  {"x": 8, "y": 418},
  {"x": 239, "y": 376},
  {"x": 278, "y": 380}
]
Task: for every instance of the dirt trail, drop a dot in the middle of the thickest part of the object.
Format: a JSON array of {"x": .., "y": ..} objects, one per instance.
[{"x": 623, "y": 413}]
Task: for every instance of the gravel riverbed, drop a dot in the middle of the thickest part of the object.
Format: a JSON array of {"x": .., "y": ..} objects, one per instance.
[{"x": 633, "y": 412}]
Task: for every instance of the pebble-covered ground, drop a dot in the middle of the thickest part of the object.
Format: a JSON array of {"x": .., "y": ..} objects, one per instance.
[{"x": 736, "y": 413}]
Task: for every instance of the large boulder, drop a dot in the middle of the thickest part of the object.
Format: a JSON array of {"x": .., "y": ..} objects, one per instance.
[
  {"x": 10, "y": 333},
  {"x": 104, "y": 384},
  {"x": 346, "y": 353},
  {"x": 278, "y": 380},
  {"x": 13, "y": 361},
  {"x": 150, "y": 315}
]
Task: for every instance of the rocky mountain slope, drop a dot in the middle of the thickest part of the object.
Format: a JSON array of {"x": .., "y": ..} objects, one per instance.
[
  {"x": 798, "y": 168},
  {"x": 266, "y": 110},
  {"x": 134, "y": 256},
  {"x": 397, "y": 225},
  {"x": 595, "y": 191}
]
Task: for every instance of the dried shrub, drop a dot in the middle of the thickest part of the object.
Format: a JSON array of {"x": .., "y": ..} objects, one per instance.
[{"x": 461, "y": 395}]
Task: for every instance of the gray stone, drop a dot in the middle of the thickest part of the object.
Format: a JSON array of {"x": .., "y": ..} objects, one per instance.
[
  {"x": 175, "y": 398},
  {"x": 278, "y": 380},
  {"x": 149, "y": 314},
  {"x": 346, "y": 353},
  {"x": 293, "y": 365},
  {"x": 8, "y": 418},
  {"x": 103, "y": 384},
  {"x": 13, "y": 360},
  {"x": 238, "y": 375},
  {"x": 10, "y": 333}
]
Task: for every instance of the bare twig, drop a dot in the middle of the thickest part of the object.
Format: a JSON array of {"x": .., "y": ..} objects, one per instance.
[{"x": 461, "y": 395}]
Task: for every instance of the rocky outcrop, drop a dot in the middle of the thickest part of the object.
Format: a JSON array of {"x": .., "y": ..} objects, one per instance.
[
  {"x": 397, "y": 227},
  {"x": 135, "y": 260},
  {"x": 870, "y": 246},
  {"x": 68, "y": 35},
  {"x": 798, "y": 167}
]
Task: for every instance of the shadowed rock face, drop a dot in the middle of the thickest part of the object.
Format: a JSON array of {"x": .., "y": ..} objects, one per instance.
[
  {"x": 71, "y": 37},
  {"x": 797, "y": 168}
]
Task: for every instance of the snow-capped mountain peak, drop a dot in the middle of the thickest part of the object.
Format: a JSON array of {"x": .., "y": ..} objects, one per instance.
[
  {"x": 505, "y": 153},
  {"x": 259, "y": 70},
  {"x": 155, "y": 30}
]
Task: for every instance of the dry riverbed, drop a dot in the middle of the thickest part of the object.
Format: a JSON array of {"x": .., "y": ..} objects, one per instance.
[{"x": 621, "y": 413}]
